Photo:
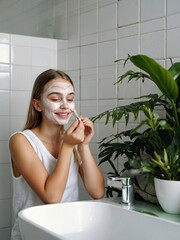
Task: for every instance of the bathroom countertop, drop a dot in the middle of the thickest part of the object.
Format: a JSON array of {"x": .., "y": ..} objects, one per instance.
[{"x": 146, "y": 208}]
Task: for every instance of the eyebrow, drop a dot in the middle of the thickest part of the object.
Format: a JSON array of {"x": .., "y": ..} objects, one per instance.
[{"x": 71, "y": 93}]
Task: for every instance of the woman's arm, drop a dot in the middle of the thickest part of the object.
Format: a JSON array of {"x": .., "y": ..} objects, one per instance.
[
  {"x": 89, "y": 171},
  {"x": 49, "y": 187}
]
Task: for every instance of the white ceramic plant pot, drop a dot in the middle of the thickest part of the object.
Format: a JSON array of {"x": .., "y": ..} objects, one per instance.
[{"x": 168, "y": 195}]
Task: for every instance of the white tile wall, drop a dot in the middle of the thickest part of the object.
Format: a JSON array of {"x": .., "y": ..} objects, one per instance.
[
  {"x": 89, "y": 81},
  {"x": 4, "y": 50},
  {"x": 109, "y": 30},
  {"x": 107, "y": 23},
  {"x": 154, "y": 50},
  {"x": 173, "y": 6},
  {"x": 105, "y": 49},
  {"x": 128, "y": 12},
  {"x": 99, "y": 32},
  {"x": 152, "y": 9},
  {"x": 21, "y": 60},
  {"x": 88, "y": 56},
  {"x": 106, "y": 87}
]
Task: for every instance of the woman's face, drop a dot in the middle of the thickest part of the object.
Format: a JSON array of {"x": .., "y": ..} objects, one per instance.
[{"x": 58, "y": 100}]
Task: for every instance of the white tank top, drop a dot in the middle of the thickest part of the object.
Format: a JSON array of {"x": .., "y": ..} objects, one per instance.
[{"x": 24, "y": 196}]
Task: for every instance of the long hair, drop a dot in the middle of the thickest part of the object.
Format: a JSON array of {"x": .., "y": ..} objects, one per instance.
[{"x": 34, "y": 117}]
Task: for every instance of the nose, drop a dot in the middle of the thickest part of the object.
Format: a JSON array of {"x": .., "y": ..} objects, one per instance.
[{"x": 64, "y": 104}]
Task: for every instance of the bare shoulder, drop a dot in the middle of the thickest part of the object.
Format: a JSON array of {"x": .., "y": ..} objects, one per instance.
[
  {"x": 18, "y": 140},
  {"x": 17, "y": 137}
]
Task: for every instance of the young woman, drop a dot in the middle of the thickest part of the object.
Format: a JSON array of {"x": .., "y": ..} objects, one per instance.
[{"x": 46, "y": 158}]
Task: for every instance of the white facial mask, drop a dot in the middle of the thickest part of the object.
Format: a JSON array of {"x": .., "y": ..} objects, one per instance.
[{"x": 60, "y": 109}]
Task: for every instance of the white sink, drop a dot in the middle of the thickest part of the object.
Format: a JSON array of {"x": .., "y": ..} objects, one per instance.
[{"x": 96, "y": 220}]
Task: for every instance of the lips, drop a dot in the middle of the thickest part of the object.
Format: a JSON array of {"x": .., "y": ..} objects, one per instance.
[{"x": 63, "y": 115}]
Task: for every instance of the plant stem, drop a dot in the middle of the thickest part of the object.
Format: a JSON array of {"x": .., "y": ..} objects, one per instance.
[{"x": 175, "y": 112}]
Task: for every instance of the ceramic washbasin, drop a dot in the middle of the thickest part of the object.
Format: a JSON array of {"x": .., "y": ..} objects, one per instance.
[{"x": 94, "y": 220}]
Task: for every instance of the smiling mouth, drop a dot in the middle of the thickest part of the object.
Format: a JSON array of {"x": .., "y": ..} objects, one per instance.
[{"x": 63, "y": 115}]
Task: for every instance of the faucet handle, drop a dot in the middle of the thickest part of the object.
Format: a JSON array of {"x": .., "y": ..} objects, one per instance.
[
  {"x": 126, "y": 185},
  {"x": 126, "y": 181}
]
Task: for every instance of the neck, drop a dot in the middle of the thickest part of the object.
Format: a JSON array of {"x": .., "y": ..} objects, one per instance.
[{"x": 49, "y": 134}]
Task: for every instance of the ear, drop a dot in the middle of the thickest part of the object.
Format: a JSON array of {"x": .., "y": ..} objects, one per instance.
[{"x": 37, "y": 105}]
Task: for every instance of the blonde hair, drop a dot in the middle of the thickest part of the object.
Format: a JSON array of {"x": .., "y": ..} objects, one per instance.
[{"x": 34, "y": 117}]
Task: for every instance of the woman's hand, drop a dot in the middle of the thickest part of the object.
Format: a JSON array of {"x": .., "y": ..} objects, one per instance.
[
  {"x": 75, "y": 134},
  {"x": 88, "y": 130}
]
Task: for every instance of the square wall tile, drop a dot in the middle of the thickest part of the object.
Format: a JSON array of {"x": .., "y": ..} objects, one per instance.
[
  {"x": 5, "y": 180},
  {"x": 5, "y": 53},
  {"x": 89, "y": 39},
  {"x": 4, "y": 152},
  {"x": 152, "y": 9},
  {"x": 88, "y": 108},
  {"x": 73, "y": 29},
  {"x": 89, "y": 84},
  {"x": 19, "y": 103},
  {"x": 152, "y": 25},
  {"x": 129, "y": 30},
  {"x": 105, "y": 22},
  {"x": 173, "y": 39},
  {"x": 75, "y": 76},
  {"x": 21, "y": 55},
  {"x": 88, "y": 22},
  {"x": 21, "y": 78},
  {"x": 107, "y": 36},
  {"x": 173, "y": 6},
  {"x": 128, "y": 12},
  {"x": 41, "y": 57},
  {"x": 128, "y": 45},
  {"x": 4, "y": 80},
  {"x": 17, "y": 123},
  {"x": 73, "y": 58},
  {"x": 4, "y": 103},
  {"x": 107, "y": 53},
  {"x": 62, "y": 61},
  {"x": 4, "y": 129},
  {"x": 89, "y": 89},
  {"x": 154, "y": 50},
  {"x": 107, "y": 78},
  {"x": 5, "y": 213},
  {"x": 173, "y": 21},
  {"x": 88, "y": 56}
]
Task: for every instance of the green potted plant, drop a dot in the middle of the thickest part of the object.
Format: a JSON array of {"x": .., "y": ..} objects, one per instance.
[{"x": 152, "y": 148}]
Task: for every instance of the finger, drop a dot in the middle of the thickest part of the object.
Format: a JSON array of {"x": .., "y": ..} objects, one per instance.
[{"x": 73, "y": 126}]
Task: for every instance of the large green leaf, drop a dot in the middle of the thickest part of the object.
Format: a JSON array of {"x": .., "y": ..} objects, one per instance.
[
  {"x": 117, "y": 113},
  {"x": 159, "y": 75},
  {"x": 175, "y": 70}
]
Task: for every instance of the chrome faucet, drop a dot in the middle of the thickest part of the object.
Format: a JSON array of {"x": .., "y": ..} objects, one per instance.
[{"x": 126, "y": 185}]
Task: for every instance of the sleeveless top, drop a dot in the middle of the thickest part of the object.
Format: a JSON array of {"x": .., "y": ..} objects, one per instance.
[{"x": 24, "y": 196}]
